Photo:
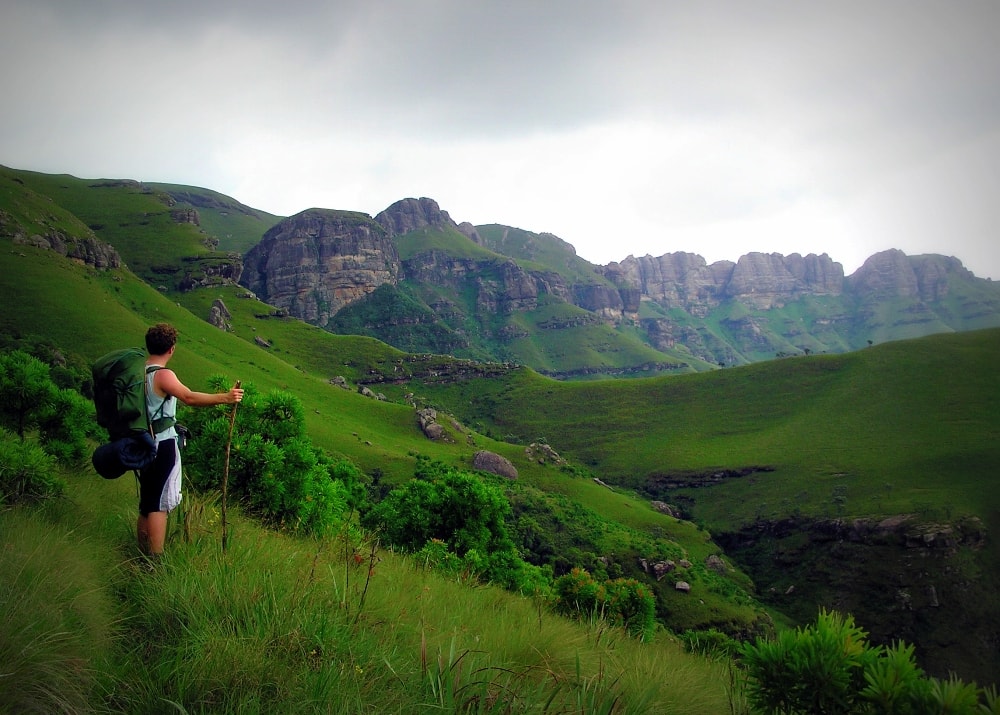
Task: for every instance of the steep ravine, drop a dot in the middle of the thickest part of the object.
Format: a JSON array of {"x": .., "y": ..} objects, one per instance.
[{"x": 901, "y": 577}]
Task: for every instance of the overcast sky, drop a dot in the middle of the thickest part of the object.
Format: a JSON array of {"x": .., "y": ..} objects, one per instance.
[{"x": 623, "y": 127}]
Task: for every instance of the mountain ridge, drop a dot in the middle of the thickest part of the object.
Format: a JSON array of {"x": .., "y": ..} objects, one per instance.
[
  {"x": 495, "y": 292},
  {"x": 721, "y": 313}
]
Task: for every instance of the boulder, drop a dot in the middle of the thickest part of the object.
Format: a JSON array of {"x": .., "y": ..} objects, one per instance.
[{"x": 493, "y": 463}]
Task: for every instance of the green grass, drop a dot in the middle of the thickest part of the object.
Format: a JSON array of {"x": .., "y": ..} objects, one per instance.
[
  {"x": 285, "y": 624},
  {"x": 902, "y": 413},
  {"x": 237, "y": 227}
]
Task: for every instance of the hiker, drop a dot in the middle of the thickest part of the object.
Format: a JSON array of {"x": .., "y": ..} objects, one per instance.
[{"x": 160, "y": 483}]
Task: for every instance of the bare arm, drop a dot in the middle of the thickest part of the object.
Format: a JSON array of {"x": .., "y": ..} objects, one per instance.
[{"x": 166, "y": 381}]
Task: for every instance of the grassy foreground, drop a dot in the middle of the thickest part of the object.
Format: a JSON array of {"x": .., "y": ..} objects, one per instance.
[{"x": 286, "y": 624}]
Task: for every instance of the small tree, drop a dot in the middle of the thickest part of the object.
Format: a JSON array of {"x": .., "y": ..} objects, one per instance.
[
  {"x": 275, "y": 470},
  {"x": 456, "y": 508},
  {"x": 27, "y": 392}
]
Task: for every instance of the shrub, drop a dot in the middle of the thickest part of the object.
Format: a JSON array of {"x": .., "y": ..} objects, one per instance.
[
  {"x": 830, "y": 668},
  {"x": 27, "y": 472},
  {"x": 274, "y": 469},
  {"x": 26, "y": 391},
  {"x": 623, "y": 602}
]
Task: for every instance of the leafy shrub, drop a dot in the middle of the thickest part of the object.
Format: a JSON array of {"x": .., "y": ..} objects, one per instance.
[
  {"x": 624, "y": 602},
  {"x": 274, "y": 469},
  {"x": 67, "y": 426},
  {"x": 830, "y": 668},
  {"x": 27, "y": 472},
  {"x": 26, "y": 391},
  {"x": 31, "y": 400},
  {"x": 461, "y": 511}
]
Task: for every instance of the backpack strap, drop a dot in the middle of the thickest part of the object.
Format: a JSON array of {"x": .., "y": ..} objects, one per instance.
[{"x": 156, "y": 423}]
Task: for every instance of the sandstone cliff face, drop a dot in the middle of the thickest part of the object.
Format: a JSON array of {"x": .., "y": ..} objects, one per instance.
[
  {"x": 317, "y": 261},
  {"x": 410, "y": 214},
  {"x": 762, "y": 280},
  {"x": 894, "y": 274}
]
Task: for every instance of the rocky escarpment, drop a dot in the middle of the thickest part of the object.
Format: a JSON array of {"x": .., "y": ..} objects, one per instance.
[
  {"x": 903, "y": 577},
  {"x": 892, "y": 274},
  {"x": 320, "y": 260},
  {"x": 500, "y": 285},
  {"x": 762, "y": 280},
  {"x": 411, "y": 214},
  {"x": 727, "y": 313},
  {"x": 87, "y": 249}
]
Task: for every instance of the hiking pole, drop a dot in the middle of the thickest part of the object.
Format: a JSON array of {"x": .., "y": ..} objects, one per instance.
[{"x": 225, "y": 475}]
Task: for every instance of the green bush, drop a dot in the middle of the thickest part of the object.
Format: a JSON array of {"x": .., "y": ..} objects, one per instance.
[
  {"x": 464, "y": 513},
  {"x": 26, "y": 391},
  {"x": 623, "y": 602},
  {"x": 830, "y": 668},
  {"x": 27, "y": 472},
  {"x": 274, "y": 470}
]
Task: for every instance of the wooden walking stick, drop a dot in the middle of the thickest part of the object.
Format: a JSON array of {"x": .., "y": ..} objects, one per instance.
[{"x": 225, "y": 475}]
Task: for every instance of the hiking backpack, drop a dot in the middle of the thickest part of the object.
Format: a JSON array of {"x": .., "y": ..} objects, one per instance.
[
  {"x": 119, "y": 393},
  {"x": 120, "y": 404}
]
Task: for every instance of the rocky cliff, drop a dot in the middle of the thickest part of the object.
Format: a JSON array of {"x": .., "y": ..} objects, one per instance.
[
  {"x": 320, "y": 260},
  {"x": 894, "y": 274},
  {"x": 761, "y": 280},
  {"x": 758, "y": 307}
]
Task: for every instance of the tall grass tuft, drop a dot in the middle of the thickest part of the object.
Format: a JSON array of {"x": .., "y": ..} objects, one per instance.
[{"x": 55, "y": 619}]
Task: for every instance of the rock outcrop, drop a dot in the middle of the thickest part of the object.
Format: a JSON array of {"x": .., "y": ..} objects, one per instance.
[
  {"x": 319, "y": 260},
  {"x": 86, "y": 249},
  {"x": 762, "y": 280},
  {"x": 219, "y": 315},
  {"x": 893, "y": 274},
  {"x": 494, "y": 463}
]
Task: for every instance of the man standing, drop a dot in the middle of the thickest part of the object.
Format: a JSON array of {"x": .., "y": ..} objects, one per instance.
[{"x": 160, "y": 482}]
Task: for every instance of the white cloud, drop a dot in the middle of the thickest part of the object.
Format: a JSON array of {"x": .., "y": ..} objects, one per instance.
[{"x": 627, "y": 127}]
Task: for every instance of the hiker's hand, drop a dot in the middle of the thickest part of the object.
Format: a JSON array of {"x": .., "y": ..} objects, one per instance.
[{"x": 235, "y": 395}]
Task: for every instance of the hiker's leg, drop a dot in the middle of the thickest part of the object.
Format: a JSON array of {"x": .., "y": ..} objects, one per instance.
[
  {"x": 142, "y": 533},
  {"x": 156, "y": 523},
  {"x": 159, "y": 486}
]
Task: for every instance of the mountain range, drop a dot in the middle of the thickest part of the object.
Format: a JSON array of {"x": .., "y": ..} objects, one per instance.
[{"x": 416, "y": 279}]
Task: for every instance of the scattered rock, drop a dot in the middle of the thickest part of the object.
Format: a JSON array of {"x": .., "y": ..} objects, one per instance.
[
  {"x": 427, "y": 419},
  {"x": 667, "y": 509},
  {"x": 683, "y": 586},
  {"x": 219, "y": 315},
  {"x": 494, "y": 464},
  {"x": 543, "y": 453},
  {"x": 716, "y": 564}
]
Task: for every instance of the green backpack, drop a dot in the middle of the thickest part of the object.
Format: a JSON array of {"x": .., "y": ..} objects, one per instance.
[{"x": 120, "y": 396}]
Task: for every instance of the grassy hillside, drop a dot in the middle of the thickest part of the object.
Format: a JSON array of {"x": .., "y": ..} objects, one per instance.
[
  {"x": 283, "y": 624},
  {"x": 236, "y": 226},
  {"x": 904, "y": 428},
  {"x": 795, "y": 465},
  {"x": 904, "y": 414}
]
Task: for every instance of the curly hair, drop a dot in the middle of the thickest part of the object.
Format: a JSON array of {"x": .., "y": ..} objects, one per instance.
[{"x": 160, "y": 338}]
